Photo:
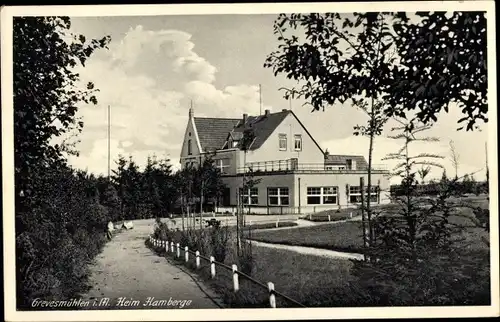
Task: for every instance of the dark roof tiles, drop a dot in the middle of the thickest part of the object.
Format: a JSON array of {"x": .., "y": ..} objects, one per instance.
[
  {"x": 263, "y": 126},
  {"x": 212, "y": 132}
]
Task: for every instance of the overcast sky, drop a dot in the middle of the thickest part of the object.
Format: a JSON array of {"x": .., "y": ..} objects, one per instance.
[{"x": 156, "y": 65}]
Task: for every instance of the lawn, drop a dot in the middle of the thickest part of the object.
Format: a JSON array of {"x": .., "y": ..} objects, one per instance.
[
  {"x": 310, "y": 280},
  {"x": 342, "y": 214},
  {"x": 347, "y": 236}
]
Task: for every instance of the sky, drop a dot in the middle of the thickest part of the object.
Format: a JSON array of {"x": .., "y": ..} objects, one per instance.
[{"x": 157, "y": 65}]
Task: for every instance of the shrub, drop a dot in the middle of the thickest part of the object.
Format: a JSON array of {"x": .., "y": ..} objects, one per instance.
[
  {"x": 245, "y": 256},
  {"x": 219, "y": 238}
]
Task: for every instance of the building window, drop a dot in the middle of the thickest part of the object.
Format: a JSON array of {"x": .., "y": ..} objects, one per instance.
[
  {"x": 282, "y": 142},
  {"x": 314, "y": 195},
  {"x": 250, "y": 196},
  {"x": 334, "y": 167},
  {"x": 330, "y": 195},
  {"x": 374, "y": 194},
  {"x": 355, "y": 194},
  {"x": 298, "y": 142},
  {"x": 223, "y": 165},
  {"x": 278, "y": 196},
  {"x": 190, "y": 148},
  {"x": 322, "y": 195},
  {"x": 349, "y": 164}
]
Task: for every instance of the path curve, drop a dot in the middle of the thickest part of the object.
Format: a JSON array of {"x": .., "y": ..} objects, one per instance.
[
  {"x": 127, "y": 271},
  {"x": 311, "y": 250}
]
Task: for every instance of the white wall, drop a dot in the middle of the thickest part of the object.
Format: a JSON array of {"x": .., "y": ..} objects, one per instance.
[
  {"x": 298, "y": 196},
  {"x": 270, "y": 151},
  {"x": 195, "y": 149}
]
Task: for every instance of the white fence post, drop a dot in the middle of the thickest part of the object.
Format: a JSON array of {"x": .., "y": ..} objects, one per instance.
[
  {"x": 277, "y": 222},
  {"x": 272, "y": 297},
  {"x": 186, "y": 253},
  {"x": 350, "y": 214},
  {"x": 172, "y": 246},
  {"x": 197, "y": 259},
  {"x": 236, "y": 284},
  {"x": 329, "y": 218},
  {"x": 178, "y": 250},
  {"x": 212, "y": 266}
]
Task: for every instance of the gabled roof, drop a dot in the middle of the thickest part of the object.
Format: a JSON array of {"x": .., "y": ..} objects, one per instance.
[
  {"x": 340, "y": 159},
  {"x": 212, "y": 132},
  {"x": 263, "y": 126}
]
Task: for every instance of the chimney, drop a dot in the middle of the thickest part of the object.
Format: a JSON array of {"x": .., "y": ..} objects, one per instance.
[
  {"x": 245, "y": 117},
  {"x": 268, "y": 112},
  {"x": 284, "y": 110}
]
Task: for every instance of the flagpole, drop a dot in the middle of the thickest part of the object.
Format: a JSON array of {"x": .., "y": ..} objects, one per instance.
[
  {"x": 260, "y": 99},
  {"x": 109, "y": 142}
]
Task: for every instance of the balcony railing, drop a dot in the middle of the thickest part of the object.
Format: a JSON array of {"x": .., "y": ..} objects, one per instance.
[{"x": 291, "y": 165}]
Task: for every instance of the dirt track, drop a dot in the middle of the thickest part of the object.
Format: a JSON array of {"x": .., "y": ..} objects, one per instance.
[{"x": 132, "y": 277}]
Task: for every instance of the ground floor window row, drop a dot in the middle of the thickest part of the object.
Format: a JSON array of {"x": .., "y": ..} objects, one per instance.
[
  {"x": 354, "y": 194},
  {"x": 280, "y": 196}
]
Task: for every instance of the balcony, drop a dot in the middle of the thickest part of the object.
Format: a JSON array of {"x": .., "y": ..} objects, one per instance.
[{"x": 293, "y": 166}]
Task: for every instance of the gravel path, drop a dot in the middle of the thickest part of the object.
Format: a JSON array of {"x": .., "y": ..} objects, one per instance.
[{"x": 132, "y": 277}]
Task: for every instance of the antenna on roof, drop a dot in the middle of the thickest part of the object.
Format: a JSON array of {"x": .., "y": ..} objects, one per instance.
[{"x": 260, "y": 99}]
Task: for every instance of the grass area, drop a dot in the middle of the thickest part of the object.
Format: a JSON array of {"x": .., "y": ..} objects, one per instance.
[
  {"x": 310, "y": 280},
  {"x": 342, "y": 214},
  {"x": 270, "y": 225},
  {"x": 347, "y": 236}
]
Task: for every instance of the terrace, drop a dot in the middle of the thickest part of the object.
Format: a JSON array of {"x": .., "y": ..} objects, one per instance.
[{"x": 293, "y": 166}]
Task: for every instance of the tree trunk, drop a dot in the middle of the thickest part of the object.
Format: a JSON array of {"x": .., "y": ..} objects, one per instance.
[
  {"x": 372, "y": 127},
  {"x": 238, "y": 240},
  {"x": 244, "y": 186},
  {"x": 201, "y": 204},
  {"x": 369, "y": 187},
  {"x": 182, "y": 211}
]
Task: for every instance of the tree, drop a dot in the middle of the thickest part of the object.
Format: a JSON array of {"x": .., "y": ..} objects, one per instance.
[
  {"x": 134, "y": 184},
  {"x": 423, "y": 172},
  {"x": 455, "y": 158},
  {"x": 46, "y": 92},
  {"x": 444, "y": 177},
  {"x": 120, "y": 180},
  {"x": 165, "y": 184},
  {"x": 184, "y": 182},
  {"x": 111, "y": 200},
  {"x": 342, "y": 58},
  {"x": 57, "y": 214},
  {"x": 420, "y": 261},
  {"x": 208, "y": 179},
  {"x": 442, "y": 61}
]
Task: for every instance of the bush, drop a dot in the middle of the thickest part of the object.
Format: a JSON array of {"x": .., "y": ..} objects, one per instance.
[
  {"x": 245, "y": 256},
  {"x": 219, "y": 238},
  {"x": 60, "y": 229}
]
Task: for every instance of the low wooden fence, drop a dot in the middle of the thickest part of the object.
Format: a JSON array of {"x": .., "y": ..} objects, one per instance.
[{"x": 178, "y": 250}]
